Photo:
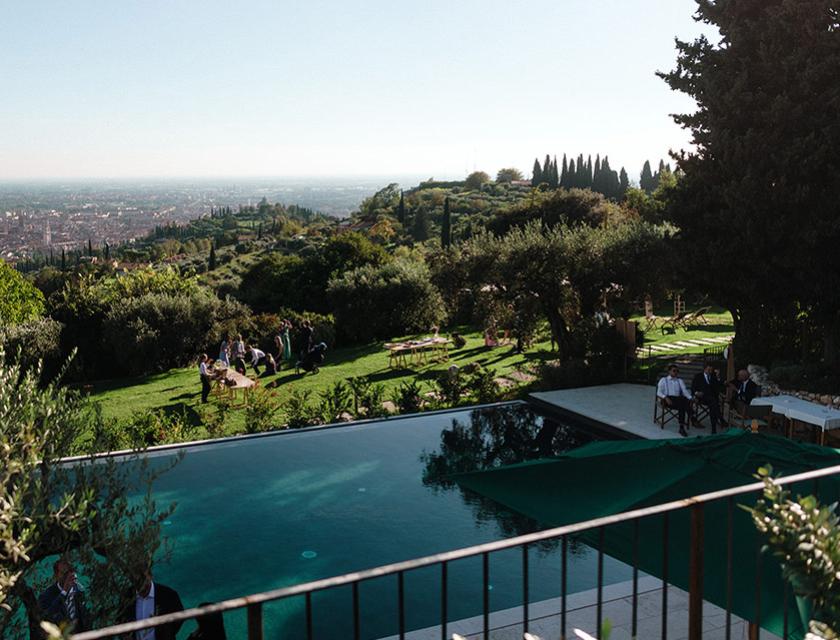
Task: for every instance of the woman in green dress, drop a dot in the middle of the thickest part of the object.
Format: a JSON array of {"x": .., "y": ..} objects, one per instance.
[{"x": 287, "y": 341}]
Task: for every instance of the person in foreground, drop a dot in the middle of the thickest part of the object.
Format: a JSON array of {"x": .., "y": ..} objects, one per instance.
[
  {"x": 154, "y": 599},
  {"x": 204, "y": 375},
  {"x": 210, "y": 626},
  {"x": 672, "y": 393},
  {"x": 706, "y": 389},
  {"x": 63, "y": 602}
]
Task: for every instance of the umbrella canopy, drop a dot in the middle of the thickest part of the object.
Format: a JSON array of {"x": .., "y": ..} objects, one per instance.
[{"x": 605, "y": 478}]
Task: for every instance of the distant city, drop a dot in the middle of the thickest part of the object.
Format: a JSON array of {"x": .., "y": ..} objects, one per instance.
[{"x": 39, "y": 217}]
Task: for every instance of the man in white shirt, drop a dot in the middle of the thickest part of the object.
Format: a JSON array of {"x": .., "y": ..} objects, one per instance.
[
  {"x": 155, "y": 599},
  {"x": 257, "y": 357},
  {"x": 204, "y": 374},
  {"x": 673, "y": 393}
]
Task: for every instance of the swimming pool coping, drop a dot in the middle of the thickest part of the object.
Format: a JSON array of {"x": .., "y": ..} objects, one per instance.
[{"x": 163, "y": 449}]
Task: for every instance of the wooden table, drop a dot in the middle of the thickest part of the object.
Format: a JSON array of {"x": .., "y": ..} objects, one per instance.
[
  {"x": 417, "y": 351},
  {"x": 222, "y": 376}
]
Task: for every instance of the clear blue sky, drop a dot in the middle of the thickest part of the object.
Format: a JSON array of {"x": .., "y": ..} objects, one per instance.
[{"x": 177, "y": 88}]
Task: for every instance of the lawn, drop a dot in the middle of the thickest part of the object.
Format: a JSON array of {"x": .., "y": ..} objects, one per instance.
[
  {"x": 178, "y": 390},
  {"x": 719, "y": 323}
]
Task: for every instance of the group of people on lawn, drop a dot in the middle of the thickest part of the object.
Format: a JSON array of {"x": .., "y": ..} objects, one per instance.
[
  {"x": 705, "y": 389},
  {"x": 237, "y": 354}
]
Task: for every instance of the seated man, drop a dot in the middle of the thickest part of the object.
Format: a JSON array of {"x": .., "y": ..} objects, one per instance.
[
  {"x": 706, "y": 387},
  {"x": 672, "y": 393},
  {"x": 741, "y": 391}
]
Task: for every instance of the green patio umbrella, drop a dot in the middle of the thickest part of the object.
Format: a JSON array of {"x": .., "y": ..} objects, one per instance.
[{"x": 605, "y": 478}]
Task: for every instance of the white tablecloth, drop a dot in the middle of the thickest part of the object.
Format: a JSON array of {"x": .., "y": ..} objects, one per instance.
[{"x": 803, "y": 411}]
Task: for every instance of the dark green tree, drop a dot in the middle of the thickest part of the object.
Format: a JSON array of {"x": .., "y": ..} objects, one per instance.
[
  {"x": 446, "y": 226},
  {"x": 646, "y": 181},
  {"x": 623, "y": 183},
  {"x": 759, "y": 187},
  {"x": 211, "y": 261},
  {"x": 401, "y": 209},
  {"x": 564, "y": 174},
  {"x": 90, "y": 248},
  {"x": 107, "y": 251},
  {"x": 63, "y": 260},
  {"x": 537, "y": 175},
  {"x": 421, "y": 225}
]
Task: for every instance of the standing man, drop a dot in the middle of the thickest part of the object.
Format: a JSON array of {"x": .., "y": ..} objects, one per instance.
[
  {"x": 154, "y": 599},
  {"x": 706, "y": 389},
  {"x": 257, "y": 357},
  {"x": 672, "y": 393},
  {"x": 205, "y": 377},
  {"x": 63, "y": 602}
]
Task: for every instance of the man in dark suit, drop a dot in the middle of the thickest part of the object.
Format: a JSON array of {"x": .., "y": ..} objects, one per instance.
[
  {"x": 705, "y": 387},
  {"x": 741, "y": 391},
  {"x": 154, "y": 599},
  {"x": 63, "y": 602}
]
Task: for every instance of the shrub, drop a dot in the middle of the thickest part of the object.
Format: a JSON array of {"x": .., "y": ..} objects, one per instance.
[
  {"x": 483, "y": 386},
  {"x": 34, "y": 342},
  {"x": 408, "y": 397},
  {"x": 450, "y": 387},
  {"x": 367, "y": 397},
  {"x": 260, "y": 410},
  {"x": 335, "y": 401},
  {"x": 377, "y": 302},
  {"x": 20, "y": 301},
  {"x": 299, "y": 413}
]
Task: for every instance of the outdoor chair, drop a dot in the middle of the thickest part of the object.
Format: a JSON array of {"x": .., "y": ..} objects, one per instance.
[
  {"x": 664, "y": 414},
  {"x": 696, "y": 317},
  {"x": 651, "y": 319},
  {"x": 674, "y": 322},
  {"x": 755, "y": 417}
]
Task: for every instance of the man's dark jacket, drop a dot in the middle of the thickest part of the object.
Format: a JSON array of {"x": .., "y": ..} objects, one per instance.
[{"x": 166, "y": 601}]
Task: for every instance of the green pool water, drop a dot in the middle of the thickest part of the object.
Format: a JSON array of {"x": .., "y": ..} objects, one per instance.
[{"x": 260, "y": 513}]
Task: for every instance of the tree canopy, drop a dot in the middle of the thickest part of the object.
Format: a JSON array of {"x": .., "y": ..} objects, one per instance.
[
  {"x": 758, "y": 201},
  {"x": 19, "y": 299}
]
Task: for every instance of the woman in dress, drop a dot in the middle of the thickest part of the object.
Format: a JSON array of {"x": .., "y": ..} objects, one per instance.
[
  {"x": 224, "y": 351},
  {"x": 279, "y": 343},
  {"x": 287, "y": 341}
]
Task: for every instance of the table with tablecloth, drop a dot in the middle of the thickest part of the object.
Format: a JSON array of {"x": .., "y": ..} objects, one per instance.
[{"x": 798, "y": 410}]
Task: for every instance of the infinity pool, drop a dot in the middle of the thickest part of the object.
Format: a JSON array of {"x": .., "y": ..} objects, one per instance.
[{"x": 259, "y": 513}]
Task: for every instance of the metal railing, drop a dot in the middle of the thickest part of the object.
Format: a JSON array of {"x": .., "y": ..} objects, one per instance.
[{"x": 253, "y": 604}]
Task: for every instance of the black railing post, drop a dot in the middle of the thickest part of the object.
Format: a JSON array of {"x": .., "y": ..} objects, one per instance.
[
  {"x": 357, "y": 627},
  {"x": 525, "y": 590},
  {"x": 695, "y": 575},
  {"x": 563, "y": 583},
  {"x": 729, "y": 562},
  {"x": 485, "y": 562},
  {"x": 635, "y": 612},
  {"x": 255, "y": 621},
  {"x": 309, "y": 615},
  {"x": 401, "y": 602},
  {"x": 665, "y": 549},
  {"x": 443, "y": 599},
  {"x": 599, "y": 610}
]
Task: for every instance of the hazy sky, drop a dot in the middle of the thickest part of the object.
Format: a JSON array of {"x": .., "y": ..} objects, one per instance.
[{"x": 437, "y": 88}]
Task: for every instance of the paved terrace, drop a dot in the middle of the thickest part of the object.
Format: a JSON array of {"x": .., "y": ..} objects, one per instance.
[{"x": 624, "y": 407}]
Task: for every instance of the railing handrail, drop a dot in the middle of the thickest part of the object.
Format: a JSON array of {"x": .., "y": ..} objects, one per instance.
[{"x": 447, "y": 556}]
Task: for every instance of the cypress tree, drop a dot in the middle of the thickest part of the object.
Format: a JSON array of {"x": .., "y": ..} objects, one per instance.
[
  {"x": 90, "y": 249},
  {"x": 401, "y": 209},
  {"x": 555, "y": 174},
  {"x": 564, "y": 175},
  {"x": 211, "y": 261},
  {"x": 623, "y": 183},
  {"x": 259, "y": 232},
  {"x": 107, "y": 251},
  {"x": 446, "y": 226},
  {"x": 588, "y": 176},
  {"x": 571, "y": 180},
  {"x": 63, "y": 260},
  {"x": 536, "y": 177},
  {"x": 646, "y": 179},
  {"x": 546, "y": 172}
]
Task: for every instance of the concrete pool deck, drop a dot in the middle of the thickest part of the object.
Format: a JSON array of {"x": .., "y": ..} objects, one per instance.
[
  {"x": 581, "y": 613},
  {"x": 624, "y": 407}
]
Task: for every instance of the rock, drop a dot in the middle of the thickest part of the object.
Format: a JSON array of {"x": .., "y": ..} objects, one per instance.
[
  {"x": 825, "y": 399},
  {"x": 389, "y": 406},
  {"x": 504, "y": 383}
]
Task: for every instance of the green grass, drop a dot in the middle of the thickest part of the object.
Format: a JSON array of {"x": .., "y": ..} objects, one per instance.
[
  {"x": 178, "y": 390},
  {"x": 719, "y": 324}
]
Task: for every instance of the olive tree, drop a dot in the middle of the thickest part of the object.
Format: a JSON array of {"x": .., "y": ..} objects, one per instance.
[{"x": 96, "y": 511}]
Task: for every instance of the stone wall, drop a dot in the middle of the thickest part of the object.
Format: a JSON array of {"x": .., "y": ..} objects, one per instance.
[{"x": 759, "y": 375}]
